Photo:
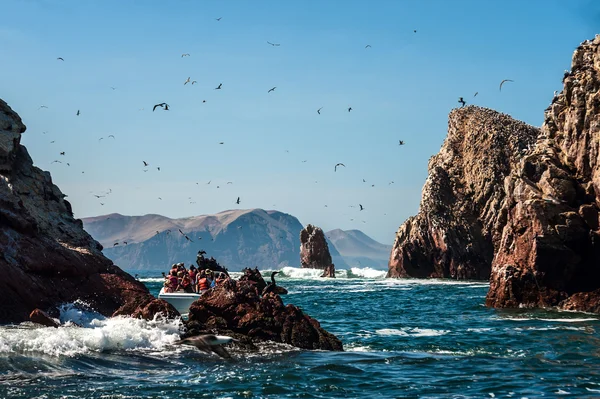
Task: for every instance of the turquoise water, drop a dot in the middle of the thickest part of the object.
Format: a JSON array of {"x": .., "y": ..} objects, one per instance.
[{"x": 402, "y": 338}]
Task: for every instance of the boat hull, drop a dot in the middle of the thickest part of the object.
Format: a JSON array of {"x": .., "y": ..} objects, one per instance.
[{"x": 180, "y": 300}]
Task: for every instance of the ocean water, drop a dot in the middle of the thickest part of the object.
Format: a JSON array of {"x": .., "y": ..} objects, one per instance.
[{"x": 402, "y": 338}]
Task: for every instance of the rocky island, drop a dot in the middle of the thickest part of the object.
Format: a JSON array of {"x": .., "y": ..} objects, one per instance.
[
  {"x": 314, "y": 251},
  {"x": 514, "y": 203}
]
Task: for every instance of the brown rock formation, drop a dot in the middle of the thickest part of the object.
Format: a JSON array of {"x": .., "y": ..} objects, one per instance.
[
  {"x": 459, "y": 223},
  {"x": 46, "y": 258},
  {"x": 236, "y": 308},
  {"x": 549, "y": 252},
  {"x": 314, "y": 251}
]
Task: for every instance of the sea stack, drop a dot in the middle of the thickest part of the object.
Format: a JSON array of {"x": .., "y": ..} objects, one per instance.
[
  {"x": 459, "y": 223},
  {"x": 549, "y": 250},
  {"x": 46, "y": 258},
  {"x": 516, "y": 203},
  {"x": 314, "y": 251}
]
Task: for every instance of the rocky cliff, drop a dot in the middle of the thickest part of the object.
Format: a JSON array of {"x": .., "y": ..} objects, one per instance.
[
  {"x": 549, "y": 251},
  {"x": 46, "y": 258},
  {"x": 459, "y": 223},
  {"x": 314, "y": 251}
]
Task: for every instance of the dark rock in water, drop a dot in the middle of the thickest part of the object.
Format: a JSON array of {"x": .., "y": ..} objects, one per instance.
[
  {"x": 40, "y": 317},
  {"x": 253, "y": 276},
  {"x": 549, "y": 250},
  {"x": 329, "y": 271},
  {"x": 235, "y": 307},
  {"x": 314, "y": 251},
  {"x": 460, "y": 222},
  {"x": 46, "y": 258},
  {"x": 209, "y": 263},
  {"x": 147, "y": 308}
]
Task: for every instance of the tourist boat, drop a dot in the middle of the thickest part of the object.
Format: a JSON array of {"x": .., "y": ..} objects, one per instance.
[{"x": 180, "y": 300}]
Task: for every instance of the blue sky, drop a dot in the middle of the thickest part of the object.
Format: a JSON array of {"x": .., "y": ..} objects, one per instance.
[{"x": 402, "y": 87}]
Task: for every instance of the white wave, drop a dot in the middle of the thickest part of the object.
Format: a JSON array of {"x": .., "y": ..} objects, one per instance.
[
  {"x": 151, "y": 279},
  {"x": 97, "y": 335},
  {"x": 415, "y": 332},
  {"x": 386, "y": 332},
  {"x": 357, "y": 349},
  {"x": 485, "y": 329},
  {"x": 592, "y": 390},
  {"x": 365, "y": 272},
  {"x": 354, "y": 272}
]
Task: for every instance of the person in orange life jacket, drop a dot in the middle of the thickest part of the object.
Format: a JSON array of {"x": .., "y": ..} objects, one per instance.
[
  {"x": 203, "y": 283},
  {"x": 186, "y": 284}
]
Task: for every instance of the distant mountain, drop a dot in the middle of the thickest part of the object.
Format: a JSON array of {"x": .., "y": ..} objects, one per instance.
[
  {"x": 358, "y": 249},
  {"x": 236, "y": 238}
]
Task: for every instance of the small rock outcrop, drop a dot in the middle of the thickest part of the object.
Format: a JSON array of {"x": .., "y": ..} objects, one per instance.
[
  {"x": 549, "y": 253},
  {"x": 314, "y": 251},
  {"x": 236, "y": 308},
  {"x": 40, "y": 317},
  {"x": 329, "y": 271},
  {"x": 46, "y": 258},
  {"x": 460, "y": 222}
]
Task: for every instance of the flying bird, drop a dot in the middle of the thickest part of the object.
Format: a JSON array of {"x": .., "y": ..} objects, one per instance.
[
  {"x": 145, "y": 163},
  {"x": 400, "y": 142},
  {"x": 160, "y": 198},
  {"x": 219, "y": 86},
  {"x": 60, "y": 58},
  {"x": 125, "y": 242},
  {"x": 111, "y": 136},
  {"x": 463, "y": 102},
  {"x": 78, "y": 112},
  {"x": 208, "y": 343},
  {"x": 101, "y": 138},
  {"x": 368, "y": 46},
  {"x": 273, "y": 89},
  {"x": 99, "y": 196},
  {"x": 505, "y": 80},
  {"x": 42, "y": 106},
  {"x": 62, "y": 153},
  {"x": 56, "y": 161},
  {"x": 194, "y": 82},
  {"x": 158, "y": 167},
  {"x": 336, "y": 165},
  {"x": 349, "y": 109},
  {"x": 218, "y": 19},
  {"x": 476, "y": 93},
  {"x": 185, "y": 55},
  {"x": 319, "y": 110},
  {"x": 187, "y": 81},
  {"x": 115, "y": 244},
  {"x": 164, "y": 106},
  {"x": 238, "y": 201},
  {"x": 361, "y": 207},
  {"x": 274, "y": 44}
]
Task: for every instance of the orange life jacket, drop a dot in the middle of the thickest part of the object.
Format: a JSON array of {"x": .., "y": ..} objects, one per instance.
[{"x": 203, "y": 283}]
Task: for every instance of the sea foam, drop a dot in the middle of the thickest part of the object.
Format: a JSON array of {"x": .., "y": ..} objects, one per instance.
[{"x": 91, "y": 333}]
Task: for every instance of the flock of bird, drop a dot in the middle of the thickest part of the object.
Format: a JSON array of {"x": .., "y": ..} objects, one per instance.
[{"x": 165, "y": 107}]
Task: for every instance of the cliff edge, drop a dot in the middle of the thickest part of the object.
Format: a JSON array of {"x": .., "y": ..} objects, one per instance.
[
  {"x": 459, "y": 223},
  {"x": 549, "y": 253},
  {"x": 46, "y": 258}
]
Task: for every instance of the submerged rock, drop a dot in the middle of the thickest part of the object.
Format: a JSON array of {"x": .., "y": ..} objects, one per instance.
[
  {"x": 236, "y": 308},
  {"x": 40, "y": 317},
  {"x": 46, "y": 258},
  {"x": 549, "y": 251},
  {"x": 314, "y": 251},
  {"x": 460, "y": 220},
  {"x": 329, "y": 271}
]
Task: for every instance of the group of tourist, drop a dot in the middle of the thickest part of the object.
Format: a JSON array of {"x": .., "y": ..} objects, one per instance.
[{"x": 191, "y": 280}]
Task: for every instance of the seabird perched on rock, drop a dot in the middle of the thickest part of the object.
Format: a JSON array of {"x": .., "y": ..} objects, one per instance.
[
  {"x": 208, "y": 343},
  {"x": 463, "y": 102},
  {"x": 273, "y": 287}
]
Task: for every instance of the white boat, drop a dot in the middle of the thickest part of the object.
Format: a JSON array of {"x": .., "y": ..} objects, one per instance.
[{"x": 180, "y": 300}]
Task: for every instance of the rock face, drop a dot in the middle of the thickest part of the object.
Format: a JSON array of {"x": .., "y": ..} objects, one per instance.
[
  {"x": 329, "y": 271},
  {"x": 236, "y": 308},
  {"x": 314, "y": 251},
  {"x": 549, "y": 253},
  {"x": 460, "y": 221},
  {"x": 46, "y": 258}
]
